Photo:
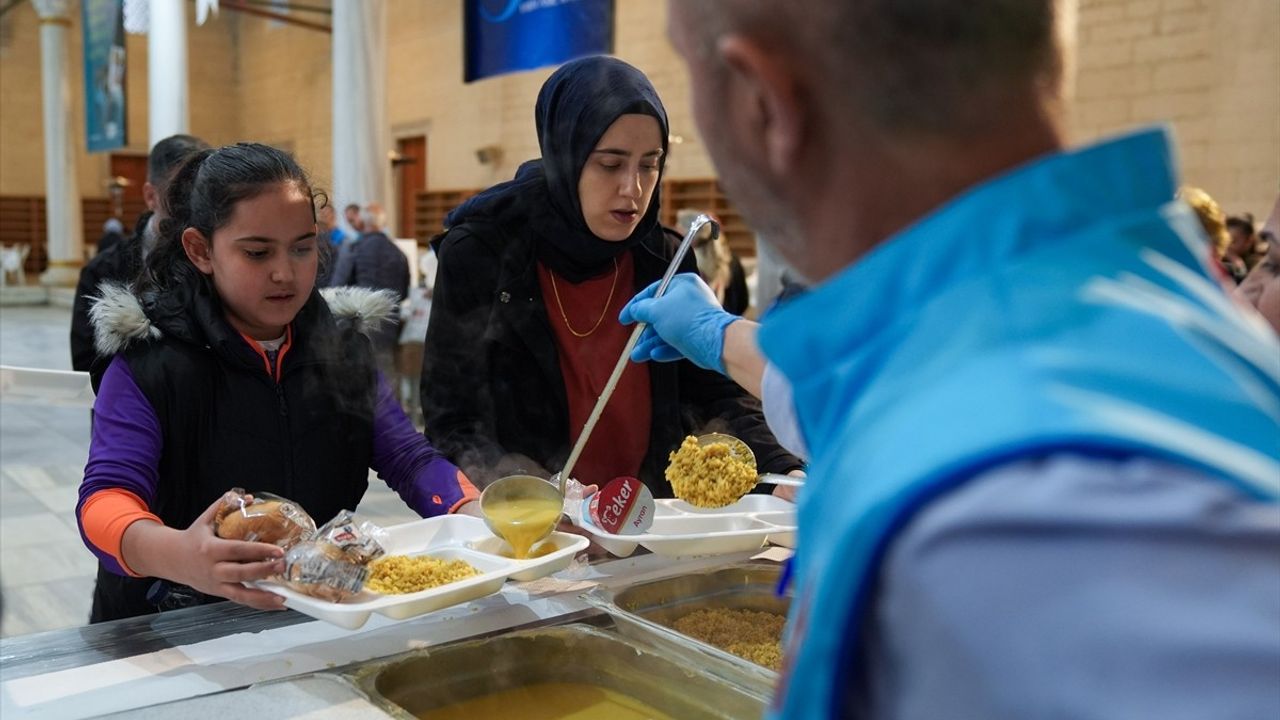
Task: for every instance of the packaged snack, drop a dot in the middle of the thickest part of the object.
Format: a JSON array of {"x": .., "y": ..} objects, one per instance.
[
  {"x": 266, "y": 518},
  {"x": 321, "y": 569},
  {"x": 333, "y": 564},
  {"x": 360, "y": 541}
]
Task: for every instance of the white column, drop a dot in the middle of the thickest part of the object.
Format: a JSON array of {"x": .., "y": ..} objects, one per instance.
[
  {"x": 361, "y": 136},
  {"x": 167, "y": 70},
  {"x": 63, "y": 226}
]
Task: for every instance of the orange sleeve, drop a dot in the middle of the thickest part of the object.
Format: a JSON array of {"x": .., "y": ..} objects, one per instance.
[
  {"x": 107, "y": 514},
  {"x": 469, "y": 492}
]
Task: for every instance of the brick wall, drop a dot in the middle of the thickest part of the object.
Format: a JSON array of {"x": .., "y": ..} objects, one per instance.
[
  {"x": 1208, "y": 68},
  {"x": 284, "y": 89},
  {"x": 213, "y": 114},
  {"x": 425, "y": 90},
  {"x": 256, "y": 80}
]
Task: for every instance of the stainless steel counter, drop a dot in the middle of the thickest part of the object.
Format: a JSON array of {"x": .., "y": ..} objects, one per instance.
[{"x": 141, "y": 662}]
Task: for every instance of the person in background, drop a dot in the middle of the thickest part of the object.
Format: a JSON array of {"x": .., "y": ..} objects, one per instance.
[
  {"x": 335, "y": 232},
  {"x": 371, "y": 260},
  {"x": 351, "y": 214},
  {"x": 523, "y": 334},
  {"x": 228, "y": 367},
  {"x": 329, "y": 228},
  {"x": 1261, "y": 287},
  {"x": 112, "y": 233},
  {"x": 1244, "y": 246},
  {"x": 1045, "y": 467},
  {"x": 1214, "y": 223},
  {"x": 332, "y": 234},
  {"x": 718, "y": 265},
  {"x": 123, "y": 262}
]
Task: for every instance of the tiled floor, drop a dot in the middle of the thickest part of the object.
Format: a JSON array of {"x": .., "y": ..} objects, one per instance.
[{"x": 46, "y": 574}]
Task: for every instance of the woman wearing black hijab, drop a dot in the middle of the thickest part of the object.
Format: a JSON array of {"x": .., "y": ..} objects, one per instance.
[{"x": 533, "y": 272}]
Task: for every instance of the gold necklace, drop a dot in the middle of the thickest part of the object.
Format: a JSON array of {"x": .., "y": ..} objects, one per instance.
[{"x": 604, "y": 312}]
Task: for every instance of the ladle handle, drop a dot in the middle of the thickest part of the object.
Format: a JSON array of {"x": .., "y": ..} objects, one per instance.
[
  {"x": 776, "y": 479},
  {"x": 621, "y": 365}
]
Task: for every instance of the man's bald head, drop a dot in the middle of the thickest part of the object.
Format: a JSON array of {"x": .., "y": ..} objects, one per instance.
[
  {"x": 833, "y": 124},
  {"x": 939, "y": 67}
]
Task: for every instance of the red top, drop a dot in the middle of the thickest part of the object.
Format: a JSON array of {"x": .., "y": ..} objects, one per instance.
[{"x": 621, "y": 438}]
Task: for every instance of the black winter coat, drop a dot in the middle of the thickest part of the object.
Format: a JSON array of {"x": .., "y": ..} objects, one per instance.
[
  {"x": 492, "y": 392},
  {"x": 373, "y": 261},
  {"x": 120, "y": 264},
  {"x": 226, "y": 423}
]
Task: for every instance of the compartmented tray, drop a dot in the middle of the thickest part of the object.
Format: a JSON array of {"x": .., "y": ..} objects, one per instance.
[
  {"x": 429, "y": 683},
  {"x": 683, "y": 529},
  {"x": 449, "y": 537},
  {"x": 648, "y": 612}
]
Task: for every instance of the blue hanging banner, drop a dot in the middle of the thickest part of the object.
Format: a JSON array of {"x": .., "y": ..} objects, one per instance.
[
  {"x": 505, "y": 36},
  {"x": 104, "y": 77}
]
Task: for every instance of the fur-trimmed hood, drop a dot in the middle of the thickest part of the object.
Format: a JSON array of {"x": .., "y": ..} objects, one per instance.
[{"x": 119, "y": 319}]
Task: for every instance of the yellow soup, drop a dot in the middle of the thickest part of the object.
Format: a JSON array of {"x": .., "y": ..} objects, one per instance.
[
  {"x": 523, "y": 521},
  {"x": 537, "y": 551},
  {"x": 549, "y": 701}
]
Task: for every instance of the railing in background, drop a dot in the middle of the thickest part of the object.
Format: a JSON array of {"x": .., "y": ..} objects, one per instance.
[
  {"x": 701, "y": 194},
  {"x": 34, "y": 386},
  {"x": 22, "y": 220}
]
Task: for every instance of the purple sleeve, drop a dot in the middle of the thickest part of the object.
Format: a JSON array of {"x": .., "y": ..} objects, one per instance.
[
  {"x": 124, "y": 449},
  {"x": 406, "y": 461}
]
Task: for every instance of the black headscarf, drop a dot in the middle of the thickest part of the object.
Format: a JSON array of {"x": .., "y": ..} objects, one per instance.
[{"x": 576, "y": 105}]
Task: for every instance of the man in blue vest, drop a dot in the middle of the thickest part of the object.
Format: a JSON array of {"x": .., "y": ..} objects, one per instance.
[{"x": 1045, "y": 445}]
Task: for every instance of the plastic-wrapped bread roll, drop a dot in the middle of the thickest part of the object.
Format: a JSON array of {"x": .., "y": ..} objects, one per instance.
[{"x": 267, "y": 519}]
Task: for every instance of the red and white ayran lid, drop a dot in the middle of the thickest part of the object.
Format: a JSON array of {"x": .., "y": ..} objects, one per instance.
[{"x": 624, "y": 506}]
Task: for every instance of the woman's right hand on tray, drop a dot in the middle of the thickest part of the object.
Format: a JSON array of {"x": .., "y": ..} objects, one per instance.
[{"x": 198, "y": 558}]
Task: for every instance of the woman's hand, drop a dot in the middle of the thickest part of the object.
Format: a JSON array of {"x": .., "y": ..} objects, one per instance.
[{"x": 199, "y": 559}]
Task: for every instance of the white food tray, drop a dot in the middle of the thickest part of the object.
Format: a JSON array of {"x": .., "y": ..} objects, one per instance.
[
  {"x": 449, "y": 537},
  {"x": 683, "y": 529}
]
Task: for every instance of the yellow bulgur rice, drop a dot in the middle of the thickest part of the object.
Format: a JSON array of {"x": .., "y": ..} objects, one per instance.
[
  {"x": 709, "y": 476},
  {"x": 400, "y": 574},
  {"x": 751, "y": 635}
]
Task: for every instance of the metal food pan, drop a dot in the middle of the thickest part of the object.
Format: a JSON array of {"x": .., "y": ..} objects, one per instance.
[
  {"x": 416, "y": 684},
  {"x": 648, "y": 611}
]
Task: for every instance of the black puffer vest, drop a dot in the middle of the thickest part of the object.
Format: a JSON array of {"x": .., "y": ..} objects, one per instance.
[{"x": 227, "y": 423}]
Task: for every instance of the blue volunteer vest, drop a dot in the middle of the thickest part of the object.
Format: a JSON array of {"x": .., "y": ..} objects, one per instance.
[{"x": 1062, "y": 308}]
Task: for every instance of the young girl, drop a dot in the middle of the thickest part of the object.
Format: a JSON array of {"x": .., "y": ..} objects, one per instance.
[
  {"x": 524, "y": 329},
  {"x": 230, "y": 369}
]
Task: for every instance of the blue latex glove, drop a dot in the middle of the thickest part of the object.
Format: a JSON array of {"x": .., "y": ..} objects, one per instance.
[{"x": 686, "y": 321}]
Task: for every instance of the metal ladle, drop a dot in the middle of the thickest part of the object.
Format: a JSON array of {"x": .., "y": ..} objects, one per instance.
[
  {"x": 741, "y": 452},
  {"x": 514, "y": 488},
  {"x": 528, "y": 486}
]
